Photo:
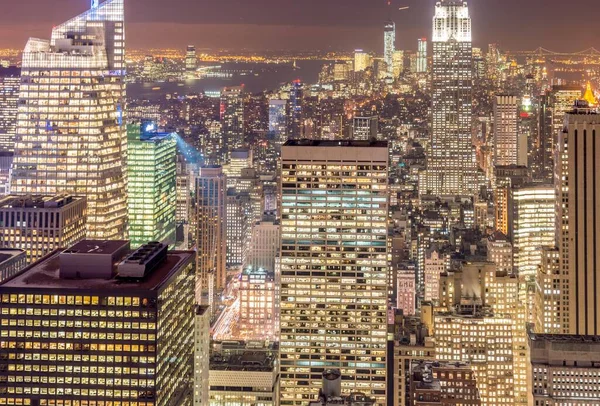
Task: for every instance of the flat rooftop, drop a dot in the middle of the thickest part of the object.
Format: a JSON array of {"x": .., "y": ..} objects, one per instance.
[
  {"x": 341, "y": 143},
  {"x": 38, "y": 201},
  {"x": 9, "y": 253},
  {"x": 44, "y": 274},
  {"x": 564, "y": 338}
]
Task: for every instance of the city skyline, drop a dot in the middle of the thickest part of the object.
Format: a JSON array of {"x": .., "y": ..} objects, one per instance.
[{"x": 355, "y": 23}]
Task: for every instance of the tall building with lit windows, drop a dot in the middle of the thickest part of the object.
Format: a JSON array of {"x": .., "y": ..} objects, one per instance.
[
  {"x": 211, "y": 232},
  {"x": 10, "y": 82},
  {"x": 40, "y": 224},
  {"x": 278, "y": 120},
  {"x": 506, "y": 134},
  {"x": 578, "y": 219},
  {"x": 334, "y": 274},
  {"x": 99, "y": 324},
  {"x": 71, "y": 136},
  {"x": 232, "y": 117},
  {"x": 191, "y": 61},
  {"x": 151, "y": 188},
  {"x": 389, "y": 47},
  {"x": 451, "y": 164},
  {"x": 422, "y": 56}
]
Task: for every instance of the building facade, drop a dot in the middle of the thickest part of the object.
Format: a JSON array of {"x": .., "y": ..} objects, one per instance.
[
  {"x": 333, "y": 267},
  {"x": 71, "y": 137},
  {"x": 10, "y": 83}
]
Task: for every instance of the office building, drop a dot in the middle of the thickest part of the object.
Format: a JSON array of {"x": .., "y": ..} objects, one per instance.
[
  {"x": 40, "y": 224},
  {"x": 264, "y": 243},
  {"x": 258, "y": 320},
  {"x": 295, "y": 110},
  {"x": 243, "y": 374},
  {"x": 398, "y": 63},
  {"x": 406, "y": 291},
  {"x": 422, "y": 56},
  {"x": 12, "y": 261},
  {"x": 122, "y": 332},
  {"x": 238, "y": 228},
  {"x": 333, "y": 250},
  {"x": 451, "y": 165},
  {"x": 506, "y": 178},
  {"x": 362, "y": 60},
  {"x": 201, "y": 356},
  {"x": 151, "y": 185},
  {"x": 10, "y": 83},
  {"x": 561, "y": 100},
  {"x": 71, "y": 137},
  {"x": 389, "y": 47},
  {"x": 365, "y": 128},
  {"x": 564, "y": 369},
  {"x": 232, "y": 118},
  {"x": 578, "y": 204},
  {"x": 331, "y": 392},
  {"x": 549, "y": 312},
  {"x": 531, "y": 219},
  {"x": 211, "y": 232},
  {"x": 278, "y": 121},
  {"x": 436, "y": 261},
  {"x": 500, "y": 252},
  {"x": 506, "y": 134},
  {"x": 191, "y": 61}
]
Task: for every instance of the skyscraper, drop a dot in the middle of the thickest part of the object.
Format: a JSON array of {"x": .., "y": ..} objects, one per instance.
[
  {"x": 451, "y": 166},
  {"x": 278, "y": 121},
  {"x": 70, "y": 135},
  {"x": 191, "y": 61},
  {"x": 10, "y": 82},
  {"x": 362, "y": 60},
  {"x": 151, "y": 188},
  {"x": 232, "y": 118},
  {"x": 389, "y": 47},
  {"x": 422, "y": 55},
  {"x": 127, "y": 330},
  {"x": 505, "y": 130},
  {"x": 334, "y": 275},
  {"x": 211, "y": 232},
  {"x": 578, "y": 221},
  {"x": 295, "y": 110}
]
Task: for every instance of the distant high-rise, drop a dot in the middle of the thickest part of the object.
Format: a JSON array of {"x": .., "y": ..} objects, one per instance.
[
  {"x": 151, "y": 187},
  {"x": 232, "y": 118},
  {"x": 422, "y": 55},
  {"x": 333, "y": 250},
  {"x": 211, "y": 232},
  {"x": 295, "y": 110},
  {"x": 79, "y": 146},
  {"x": 451, "y": 165},
  {"x": 389, "y": 47},
  {"x": 278, "y": 121},
  {"x": 191, "y": 61},
  {"x": 362, "y": 60},
  {"x": 238, "y": 227},
  {"x": 578, "y": 219},
  {"x": 257, "y": 304},
  {"x": 365, "y": 128},
  {"x": 10, "y": 82},
  {"x": 506, "y": 143}
]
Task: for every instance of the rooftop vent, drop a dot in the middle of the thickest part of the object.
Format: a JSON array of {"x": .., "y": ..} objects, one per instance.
[{"x": 142, "y": 261}]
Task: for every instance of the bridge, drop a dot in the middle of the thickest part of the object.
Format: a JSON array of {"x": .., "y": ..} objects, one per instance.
[{"x": 546, "y": 52}]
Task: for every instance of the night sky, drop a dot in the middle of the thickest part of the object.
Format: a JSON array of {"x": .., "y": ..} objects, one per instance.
[{"x": 314, "y": 24}]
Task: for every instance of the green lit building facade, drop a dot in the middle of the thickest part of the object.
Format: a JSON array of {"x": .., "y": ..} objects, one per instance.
[{"x": 151, "y": 185}]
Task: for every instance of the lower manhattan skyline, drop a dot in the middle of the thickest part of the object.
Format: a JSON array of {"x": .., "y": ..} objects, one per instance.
[
  {"x": 286, "y": 203},
  {"x": 312, "y": 24}
]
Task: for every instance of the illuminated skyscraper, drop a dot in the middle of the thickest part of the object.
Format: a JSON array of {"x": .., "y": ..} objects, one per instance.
[
  {"x": 505, "y": 131},
  {"x": 70, "y": 135},
  {"x": 362, "y": 60},
  {"x": 211, "y": 232},
  {"x": 295, "y": 110},
  {"x": 10, "y": 81},
  {"x": 126, "y": 321},
  {"x": 334, "y": 274},
  {"x": 451, "y": 165},
  {"x": 422, "y": 55},
  {"x": 365, "y": 128},
  {"x": 578, "y": 219},
  {"x": 191, "y": 61},
  {"x": 389, "y": 47},
  {"x": 151, "y": 188},
  {"x": 278, "y": 121},
  {"x": 232, "y": 118},
  {"x": 257, "y": 304}
]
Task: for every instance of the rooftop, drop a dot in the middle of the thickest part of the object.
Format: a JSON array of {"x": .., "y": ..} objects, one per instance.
[
  {"x": 329, "y": 143},
  {"x": 9, "y": 253},
  {"x": 38, "y": 201},
  {"x": 45, "y": 274}
]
